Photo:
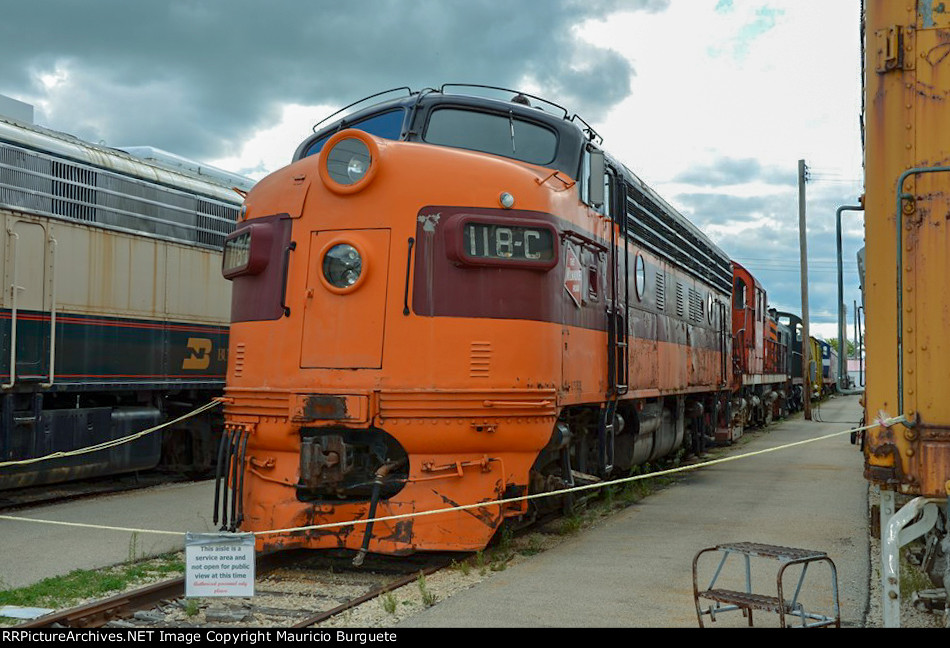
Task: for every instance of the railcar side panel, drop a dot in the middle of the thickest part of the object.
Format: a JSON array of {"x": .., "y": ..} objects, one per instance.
[
  {"x": 908, "y": 83},
  {"x": 114, "y": 313}
]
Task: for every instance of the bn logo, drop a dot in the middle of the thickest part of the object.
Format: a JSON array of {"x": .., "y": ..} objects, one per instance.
[{"x": 198, "y": 355}]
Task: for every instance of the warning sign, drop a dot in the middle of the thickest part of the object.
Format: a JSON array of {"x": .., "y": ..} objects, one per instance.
[
  {"x": 219, "y": 564},
  {"x": 573, "y": 277}
]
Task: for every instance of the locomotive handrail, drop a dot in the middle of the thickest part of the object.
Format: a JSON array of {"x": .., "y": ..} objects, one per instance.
[
  {"x": 52, "y": 321},
  {"x": 283, "y": 291},
  {"x": 516, "y": 92},
  {"x": 13, "y": 316},
  {"x": 356, "y": 103},
  {"x": 515, "y": 404},
  {"x": 579, "y": 238},
  {"x": 405, "y": 306},
  {"x": 842, "y": 339},
  {"x": 899, "y": 218}
]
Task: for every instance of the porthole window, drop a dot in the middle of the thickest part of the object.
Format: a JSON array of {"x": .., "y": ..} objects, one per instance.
[
  {"x": 641, "y": 279},
  {"x": 709, "y": 308}
]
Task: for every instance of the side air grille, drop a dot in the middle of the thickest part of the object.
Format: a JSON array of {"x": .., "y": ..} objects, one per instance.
[{"x": 46, "y": 185}]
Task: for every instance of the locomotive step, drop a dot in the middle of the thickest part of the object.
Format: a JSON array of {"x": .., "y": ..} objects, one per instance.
[
  {"x": 747, "y": 600},
  {"x": 775, "y": 552},
  {"x": 584, "y": 478}
]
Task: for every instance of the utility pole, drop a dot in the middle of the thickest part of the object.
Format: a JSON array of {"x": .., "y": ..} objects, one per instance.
[{"x": 803, "y": 245}]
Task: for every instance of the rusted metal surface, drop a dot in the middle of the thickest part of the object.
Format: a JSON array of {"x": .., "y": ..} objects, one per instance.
[
  {"x": 98, "y": 613},
  {"x": 775, "y": 552},
  {"x": 124, "y": 605},
  {"x": 907, "y": 153},
  {"x": 747, "y": 601},
  {"x": 324, "y": 460},
  {"x": 332, "y": 408}
]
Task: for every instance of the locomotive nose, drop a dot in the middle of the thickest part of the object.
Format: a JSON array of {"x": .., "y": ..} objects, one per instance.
[{"x": 345, "y": 304}]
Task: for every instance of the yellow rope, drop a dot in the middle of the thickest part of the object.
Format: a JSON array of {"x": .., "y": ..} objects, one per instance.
[
  {"x": 105, "y": 445},
  {"x": 661, "y": 473}
]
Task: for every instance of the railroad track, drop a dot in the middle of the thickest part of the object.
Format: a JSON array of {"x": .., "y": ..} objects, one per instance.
[
  {"x": 281, "y": 598},
  {"x": 295, "y": 589}
]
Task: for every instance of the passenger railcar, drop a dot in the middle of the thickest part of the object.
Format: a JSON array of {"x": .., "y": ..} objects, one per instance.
[
  {"x": 114, "y": 314},
  {"x": 452, "y": 299}
]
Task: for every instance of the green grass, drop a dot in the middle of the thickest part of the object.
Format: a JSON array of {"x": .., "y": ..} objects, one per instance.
[
  {"x": 192, "y": 607},
  {"x": 64, "y": 591},
  {"x": 912, "y": 576},
  {"x": 428, "y": 598},
  {"x": 570, "y": 524},
  {"x": 388, "y": 601},
  {"x": 533, "y": 546},
  {"x": 465, "y": 567}
]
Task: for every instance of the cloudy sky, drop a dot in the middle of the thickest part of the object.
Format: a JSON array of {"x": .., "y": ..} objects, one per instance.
[{"x": 711, "y": 102}]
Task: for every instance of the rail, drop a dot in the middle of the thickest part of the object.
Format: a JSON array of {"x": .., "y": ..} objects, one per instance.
[
  {"x": 899, "y": 218},
  {"x": 13, "y": 317},
  {"x": 52, "y": 316},
  {"x": 842, "y": 324}
]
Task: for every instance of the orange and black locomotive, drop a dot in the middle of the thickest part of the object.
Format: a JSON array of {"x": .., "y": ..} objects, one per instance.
[{"x": 450, "y": 299}]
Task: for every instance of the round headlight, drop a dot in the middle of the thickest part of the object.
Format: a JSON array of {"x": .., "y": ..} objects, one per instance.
[
  {"x": 342, "y": 265},
  {"x": 348, "y": 161}
]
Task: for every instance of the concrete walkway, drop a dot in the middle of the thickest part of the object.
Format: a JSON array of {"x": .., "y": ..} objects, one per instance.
[
  {"x": 635, "y": 569},
  {"x": 632, "y": 570},
  {"x": 30, "y": 552}
]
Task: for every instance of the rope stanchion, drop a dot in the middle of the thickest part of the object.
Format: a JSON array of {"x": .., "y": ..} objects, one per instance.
[{"x": 880, "y": 422}]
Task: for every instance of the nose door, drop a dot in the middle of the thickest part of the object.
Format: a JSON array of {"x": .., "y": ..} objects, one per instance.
[{"x": 345, "y": 310}]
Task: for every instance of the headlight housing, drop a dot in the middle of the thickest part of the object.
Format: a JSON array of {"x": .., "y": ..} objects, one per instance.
[
  {"x": 349, "y": 161},
  {"x": 247, "y": 250},
  {"x": 342, "y": 266}
]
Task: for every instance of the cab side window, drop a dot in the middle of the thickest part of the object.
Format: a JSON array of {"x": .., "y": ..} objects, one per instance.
[
  {"x": 595, "y": 183},
  {"x": 739, "y": 295}
]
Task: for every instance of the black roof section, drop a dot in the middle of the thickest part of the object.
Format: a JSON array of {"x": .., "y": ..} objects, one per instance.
[{"x": 651, "y": 221}]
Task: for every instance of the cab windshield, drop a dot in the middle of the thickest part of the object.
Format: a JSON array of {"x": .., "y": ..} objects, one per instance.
[
  {"x": 499, "y": 134},
  {"x": 387, "y": 125}
]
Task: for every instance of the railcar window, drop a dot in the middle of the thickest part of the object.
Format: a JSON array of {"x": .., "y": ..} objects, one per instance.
[
  {"x": 641, "y": 272},
  {"x": 387, "y": 125},
  {"x": 503, "y": 135},
  {"x": 739, "y": 293}
]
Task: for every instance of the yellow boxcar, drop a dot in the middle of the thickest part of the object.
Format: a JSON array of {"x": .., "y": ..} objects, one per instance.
[{"x": 907, "y": 151}]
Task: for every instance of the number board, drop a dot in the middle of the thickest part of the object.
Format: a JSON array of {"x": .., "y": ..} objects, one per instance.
[{"x": 500, "y": 241}]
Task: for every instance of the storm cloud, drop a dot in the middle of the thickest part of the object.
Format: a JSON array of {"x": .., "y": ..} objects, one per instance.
[
  {"x": 195, "y": 77},
  {"x": 732, "y": 171},
  {"x": 761, "y": 232}
]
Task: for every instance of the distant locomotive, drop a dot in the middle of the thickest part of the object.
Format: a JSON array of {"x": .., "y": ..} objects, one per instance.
[
  {"x": 451, "y": 298},
  {"x": 760, "y": 355},
  {"x": 114, "y": 314},
  {"x": 792, "y": 326}
]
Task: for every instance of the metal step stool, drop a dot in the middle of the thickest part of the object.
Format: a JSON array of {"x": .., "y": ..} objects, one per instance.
[{"x": 730, "y": 600}]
